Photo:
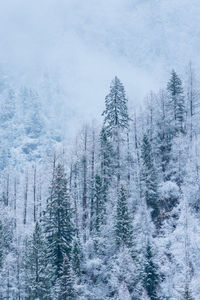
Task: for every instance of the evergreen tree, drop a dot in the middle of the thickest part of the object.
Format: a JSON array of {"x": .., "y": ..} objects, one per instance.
[
  {"x": 6, "y": 235},
  {"x": 34, "y": 263},
  {"x": 187, "y": 294},
  {"x": 116, "y": 112},
  {"x": 123, "y": 228},
  {"x": 58, "y": 223},
  {"x": 116, "y": 123},
  {"x": 76, "y": 257},
  {"x": 66, "y": 281},
  {"x": 149, "y": 178},
  {"x": 151, "y": 277},
  {"x": 177, "y": 101}
]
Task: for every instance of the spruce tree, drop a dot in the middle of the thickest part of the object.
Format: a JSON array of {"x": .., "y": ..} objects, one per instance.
[
  {"x": 149, "y": 178},
  {"x": 116, "y": 112},
  {"x": 177, "y": 101},
  {"x": 123, "y": 227},
  {"x": 116, "y": 122},
  {"x": 6, "y": 236},
  {"x": 151, "y": 277},
  {"x": 76, "y": 257},
  {"x": 36, "y": 285},
  {"x": 58, "y": 223},
  {"x": 66, "y": 281}
]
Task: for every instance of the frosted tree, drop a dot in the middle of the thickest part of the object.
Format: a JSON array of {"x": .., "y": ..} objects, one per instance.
[
  {"x": 92, "y": 180},
  {"x": 66, "y": 281},
  {"x": 116, "y": 119},
  {"x": 193, "y": 101},
  {"x": 36, "y": 285},
  {"x": 8, "y": 123},
  {"x": 100, "y": 205},
  {"x": 149, "y": 178},
  {"x": 58, "y": 225},
  {"x": 76, "y": 257},
  {"x": 177, "y": 102},
  {"x": 31, "y": 110},
  {"x": 85, "y": 185},
  {"x": 151, "y": 276},
  {"x": 187, "y": 294},
  {"x": 123, "y": 292},
  {"x": 6, "y": 234},
  {"x": 123, "y": 228},
  {"x": 106, "y": 161},
  {"x": 163, "y": 133},
  {"x": 116, "y": 111}
]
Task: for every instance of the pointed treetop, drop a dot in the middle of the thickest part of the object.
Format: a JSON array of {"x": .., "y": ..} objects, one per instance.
[
  {"x": 116, "y": 111},
  {"x": 174, "y": 85}
]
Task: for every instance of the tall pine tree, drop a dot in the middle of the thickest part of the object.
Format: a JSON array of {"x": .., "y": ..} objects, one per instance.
[
  {"x": 151, "y": 277},
  {"x": 116, "y": 121},
  {"x": 66, "y": 281},
  {"x": 36, "y": 285},
  {"x": 58, "y": 223},
  {"x": 116, "y": 112},
  {"x": 123, "y": 227},
  {"x": 177, "y": 102}
]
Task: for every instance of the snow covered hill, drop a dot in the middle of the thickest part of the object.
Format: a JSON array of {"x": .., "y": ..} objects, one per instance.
[{"x": 99, "y": 206}]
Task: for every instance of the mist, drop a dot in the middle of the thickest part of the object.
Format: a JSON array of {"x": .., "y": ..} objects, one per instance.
[{"x": 85, "y": 44}]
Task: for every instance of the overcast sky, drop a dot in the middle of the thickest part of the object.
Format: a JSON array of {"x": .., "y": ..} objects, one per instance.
[{"x": 88, "y": 42}]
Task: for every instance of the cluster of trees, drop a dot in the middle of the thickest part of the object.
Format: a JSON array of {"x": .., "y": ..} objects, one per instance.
[{"x": 122, "y": 213}]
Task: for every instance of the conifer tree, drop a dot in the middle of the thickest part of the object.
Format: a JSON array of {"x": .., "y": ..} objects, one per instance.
[
  {"x": 187, "y": 294},
  {"x": 66, "y": 280},
  {"x": 58, "y": 223},
  {"x": 151, "y": 277},
  {"x": 36, "y": 285},
  {"x": 149, "y": 178},
  {"x": 177, "y": 101},
  {"x": 123, "y": 228},
  {"x": 116, "y": 121},
  {"x": 6, "y": 236},
  {"x": 76, "y": 257},
  {"x": 116, "y": 112}
]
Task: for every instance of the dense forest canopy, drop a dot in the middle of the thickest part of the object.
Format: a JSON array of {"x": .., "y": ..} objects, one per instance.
[{"x": 116, "y": 216}]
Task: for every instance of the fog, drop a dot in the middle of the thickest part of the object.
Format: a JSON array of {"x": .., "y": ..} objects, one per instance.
[{"x": 86, "y": 43}]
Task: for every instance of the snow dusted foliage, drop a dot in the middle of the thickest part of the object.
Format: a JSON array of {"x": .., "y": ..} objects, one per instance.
[
  {"x": 114, "y": 216},
  {"x": 123, "y": 292}
]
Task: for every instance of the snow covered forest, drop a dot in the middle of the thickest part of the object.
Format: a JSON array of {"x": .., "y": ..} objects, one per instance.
[
  {"x": 99, "y": 150},
  {"x": 116, "y": 215}
]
